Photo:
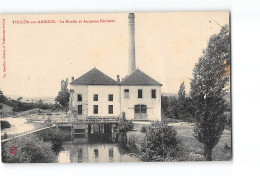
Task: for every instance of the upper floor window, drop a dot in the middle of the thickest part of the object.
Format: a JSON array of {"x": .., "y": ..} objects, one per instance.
[
  {"x": 79, "y": 109},
  {"x": 110, "y": 109},
  {"x": 126, "y": 92},
  {"x": 153, "y": 93},
  {"x": 95, "y": 97},
  {"x": 140, "y": 93},
  {"x": 79, "y": 97},
  {"x": 110, "y": 97},
  {"x": 95, "y": 109}
]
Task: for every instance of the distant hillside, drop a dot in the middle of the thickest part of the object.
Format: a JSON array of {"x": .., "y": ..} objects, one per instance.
[{"x": 49, "y": 100}]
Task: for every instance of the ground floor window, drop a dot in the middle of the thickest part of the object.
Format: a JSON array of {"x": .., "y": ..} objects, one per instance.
[
  {"x": 140, "y": 112},
  {"x": 95, "y": 109},
  {"x": 110, "y": 109},
  {"x": 79, "y": 109},
  {"x": 140, "y": 108}
]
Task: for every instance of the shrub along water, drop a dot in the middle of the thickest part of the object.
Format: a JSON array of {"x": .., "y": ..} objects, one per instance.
[
  {"x": 5, "y": 124},
  {"x": 161, "y": 143},
  {"x": 122, "y": 128},
  {"x": 42, "y": 147},
  {"x": 29, "y": 149},
  {"x": 54, "y": 136}
]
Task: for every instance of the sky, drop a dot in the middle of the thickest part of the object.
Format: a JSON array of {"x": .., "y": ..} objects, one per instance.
[{"x": 39, "y": 55}]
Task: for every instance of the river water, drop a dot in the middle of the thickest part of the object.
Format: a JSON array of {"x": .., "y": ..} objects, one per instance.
[
  {"x": 18, "y": 125},
  {"x": 90, "y": 147},
  {"x": 94, "y": 148}
]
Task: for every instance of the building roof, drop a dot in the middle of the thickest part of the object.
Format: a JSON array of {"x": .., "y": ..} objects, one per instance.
[
  {"x": 94, "y": 77},
  {"x": 140, "y": 78}
]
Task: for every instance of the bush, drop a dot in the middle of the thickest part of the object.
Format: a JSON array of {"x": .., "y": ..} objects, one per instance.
[
  {"x": 5, "y": 124},
  {"x": 132, "y": 141},
  {"x": 161, "y": 143},
  {"x": 54, "y": 136},
  {"x": 30, "y": 149},
  {"x": 143, "y": 129},
  {"x": 124, "y": 126}
]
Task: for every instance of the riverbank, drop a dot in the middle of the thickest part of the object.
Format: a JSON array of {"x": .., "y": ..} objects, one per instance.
[
  {"x": 193, "y": 149},
  {"x": 19, "y": 125}
]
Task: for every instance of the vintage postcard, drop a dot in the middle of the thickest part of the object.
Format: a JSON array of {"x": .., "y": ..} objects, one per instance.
[{"x": 115, "y": 87}]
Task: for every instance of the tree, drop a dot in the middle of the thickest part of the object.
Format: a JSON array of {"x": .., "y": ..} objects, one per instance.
[
  {"x": 40, "y": 102},
  {"x": 181, "y": 92},
  {"x": 208, "y": 86},
  {"x": 19, "y": 99},
  {"x": 161, "y": 143},
  {"x": 63, "y": 98}
]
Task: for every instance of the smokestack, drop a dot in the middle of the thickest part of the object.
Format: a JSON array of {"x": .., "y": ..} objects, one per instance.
[
  {"x": 131, "y": 60},
  {"x": 118, "y": 78}
]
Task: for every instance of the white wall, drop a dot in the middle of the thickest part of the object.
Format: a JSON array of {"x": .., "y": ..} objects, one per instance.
[
  {"x": 87, "y": 102},
  {"x": 83, "y": 90},
  {"x": 103, "y": 92},
  {"x": 153, "y": 104},
  {"x": 124, "y": 105}
]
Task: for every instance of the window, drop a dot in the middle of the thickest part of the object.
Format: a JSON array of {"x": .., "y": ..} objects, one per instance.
[
  {"x": 140, "y": 109},
  {"x": 143, "y": 108},
  {"x": 79, "y": 109},
  {"x": 110, "y": 97},
  {"x": 140, "y": 93},
  {"x": 1, "y": 107},
  {"x": 153, "y": 93},
  {"x": 79, "y": 97},
  {"x": 110, "y": 109},
  {"x": 95, "y": 97},
  {"x": 95, "y": 109},
  {"x": 111, "y": 152},
  {"x": 95, "y": 153},
  {"x": 126, "y": 91}
]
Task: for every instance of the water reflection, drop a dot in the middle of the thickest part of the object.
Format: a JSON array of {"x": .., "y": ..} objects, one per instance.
[{"x": 94, "y": 147}]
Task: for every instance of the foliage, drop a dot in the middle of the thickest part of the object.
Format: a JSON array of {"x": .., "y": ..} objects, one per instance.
[
  {"x": 170, "y": 106},
  {"x": 208, "y": 86},
  {"x": 30, "y": 149},
  {"x": 132, "y": 141},
  {"x": 229, "y": 120},
  {"x": 63, "y": 98},
  {"x": 23, "y": 106},
  {"x": 181, "y": 92},
  {"x": 54, "y": 136},
  {"x": 5, "y": 124},
  {"x": 181, "y": 109},
  {"x": 143, "y": 129},
  {"x": 124, "y": 126},
  {"x": 161, "y": 143}
]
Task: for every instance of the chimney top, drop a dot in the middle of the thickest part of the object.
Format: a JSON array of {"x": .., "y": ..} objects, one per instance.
[
  {"x": 131, "y": 15},
  {"x": 118, "y": 78}
]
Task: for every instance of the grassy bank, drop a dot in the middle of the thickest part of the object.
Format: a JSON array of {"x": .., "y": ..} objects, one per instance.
[{"x": 194, "y": 149}]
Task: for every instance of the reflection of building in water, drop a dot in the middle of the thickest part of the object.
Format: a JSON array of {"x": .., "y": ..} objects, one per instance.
[
  {"x": 92, "y": 153},
  {"x": 93, "y": 148}
]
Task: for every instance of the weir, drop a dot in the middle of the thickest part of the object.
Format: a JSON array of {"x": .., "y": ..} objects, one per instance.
[{"x": 90, "y": 125}]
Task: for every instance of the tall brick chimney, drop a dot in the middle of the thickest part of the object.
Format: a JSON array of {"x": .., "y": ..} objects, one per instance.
[{"x": 131, "y": 60}]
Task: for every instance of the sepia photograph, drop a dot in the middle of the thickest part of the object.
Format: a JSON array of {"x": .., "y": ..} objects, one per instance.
[{"x": 116, "y": 87}]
